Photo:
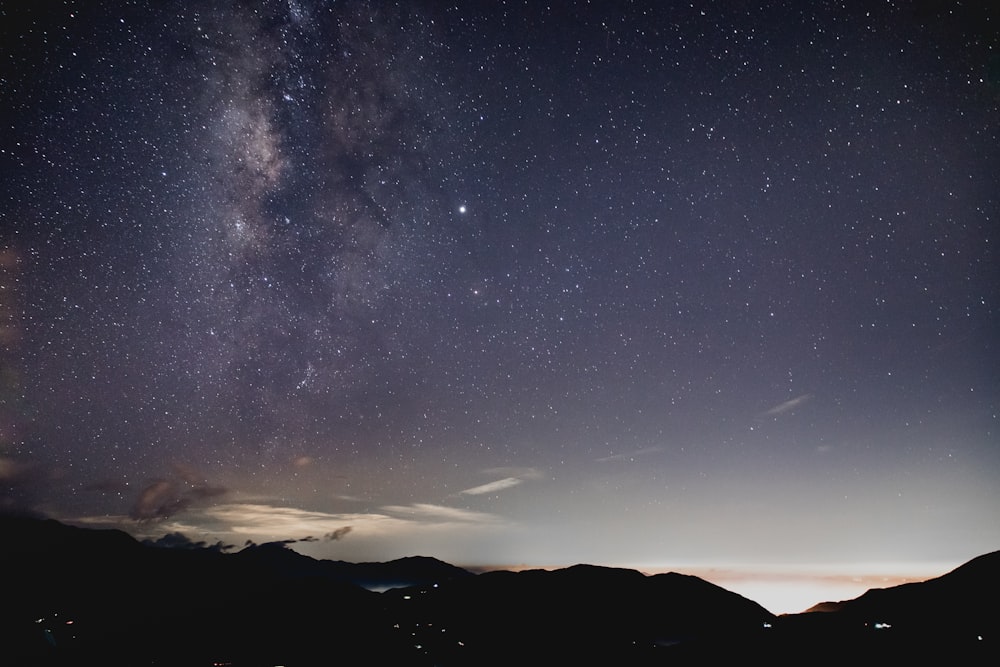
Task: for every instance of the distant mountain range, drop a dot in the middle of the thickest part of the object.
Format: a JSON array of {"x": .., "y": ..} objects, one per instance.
[
  {"x": 278, "y": 560},
  {"x": 74, "y": 596}
]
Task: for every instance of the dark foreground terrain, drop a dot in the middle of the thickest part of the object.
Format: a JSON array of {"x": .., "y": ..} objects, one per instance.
[{"x": 74, "y": 596}]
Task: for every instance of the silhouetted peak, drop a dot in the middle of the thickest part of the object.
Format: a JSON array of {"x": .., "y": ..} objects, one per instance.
[
  {"x": 26, "y": 534},
  {"x": 980, "y": 568},
  {"x": 825, "y": 607}
]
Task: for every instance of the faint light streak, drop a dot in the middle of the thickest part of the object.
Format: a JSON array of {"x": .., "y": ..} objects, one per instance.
[
  {"x": 790, "y": 404},
  {"x": 493, "y": 487},
  {"x": 627, "y": 456}
]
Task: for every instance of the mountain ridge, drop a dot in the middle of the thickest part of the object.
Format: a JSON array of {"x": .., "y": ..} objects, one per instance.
[{"x": 80, "y": 595}]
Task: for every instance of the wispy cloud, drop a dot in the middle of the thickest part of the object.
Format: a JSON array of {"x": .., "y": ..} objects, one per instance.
[
  {"x": 790, "y": 404},
  {"x": 11, "y": 469},
  {"x": 289, "y": 522},
  {"x": 256, "y": 521},
  {"x": 270, "y": 522},
  {"x": 441, "y": 513},
  {"x": 512, "y": 477},
  {"x": 492, "y": 487},
  {"x": 525, "y": 473},
  {"x": 628, "y": 456}
]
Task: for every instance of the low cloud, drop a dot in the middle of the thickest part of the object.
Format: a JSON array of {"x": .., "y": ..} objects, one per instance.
[
  {"x": 391, "y": 531},
  {"x": 158, "y": 500},
  {"x": 12, "y": 471},
  {"x": 164, "y": 497},
  {"x": 178, "y": 540},
  {"x": 276, "y": 522},
  {"x": 338, "y": 534}
]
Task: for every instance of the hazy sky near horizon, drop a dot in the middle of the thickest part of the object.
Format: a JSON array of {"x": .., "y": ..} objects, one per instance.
[{"x": 631, "y": 283}]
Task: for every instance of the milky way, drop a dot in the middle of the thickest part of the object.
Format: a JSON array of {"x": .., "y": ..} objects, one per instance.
[{"x": 648, "y": 283}]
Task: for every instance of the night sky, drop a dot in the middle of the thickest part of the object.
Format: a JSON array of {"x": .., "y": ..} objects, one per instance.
[{"x": 655, "y": 284}]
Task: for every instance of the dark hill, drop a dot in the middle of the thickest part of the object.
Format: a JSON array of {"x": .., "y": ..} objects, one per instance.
[
  {"x": 826, "y": 607},
  {"x": 75, "y": 596},
  {"x": 78, "y": 596},
  {"x": 279, "y": 560},
  {"x": 951, "y": 619},
  {"x": 576, "y": 615},
  {"x": 961, "y": 603},
  {"x": 409, "y": 571},
  {"x": 979, "y": 576}
]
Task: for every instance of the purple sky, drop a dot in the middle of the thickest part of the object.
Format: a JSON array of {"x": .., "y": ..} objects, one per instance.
[{"x": 624, "y": 283}]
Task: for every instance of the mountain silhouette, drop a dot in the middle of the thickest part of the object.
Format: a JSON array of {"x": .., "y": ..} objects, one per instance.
[
  {"x": 80, "y": 596},
  {"x": 583, "y": 614},
  {"x": 826, "y": 607},
  {"x": 959, "y": 604},
  {"x": 917, "y": 600},
  {"x": 408, "y": 571},
  {"x": 951, "y": 619},
  {"x": 277, "y": 558}
]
